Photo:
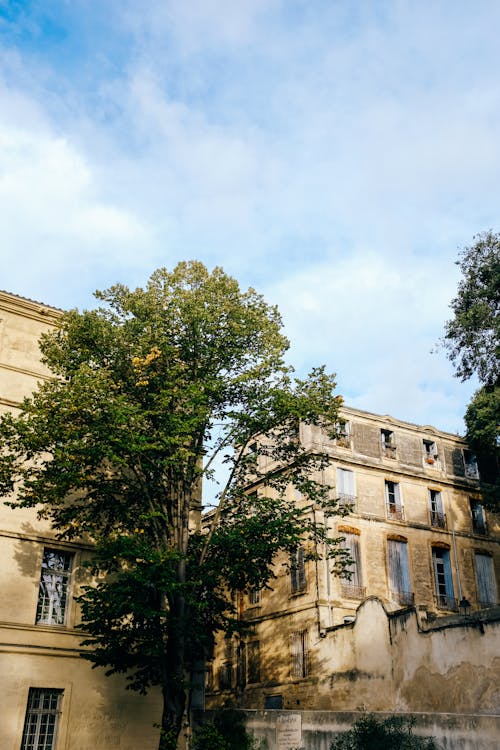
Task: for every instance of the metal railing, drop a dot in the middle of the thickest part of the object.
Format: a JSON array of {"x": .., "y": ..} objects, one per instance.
[
  {"x": 438, "y": 519},
  {"x": 403, "y": 597},
  {"x": 394, "y": 512}
]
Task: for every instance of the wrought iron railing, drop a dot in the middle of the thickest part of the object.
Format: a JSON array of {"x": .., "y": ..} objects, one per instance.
[{"x": 438, "y": 519}]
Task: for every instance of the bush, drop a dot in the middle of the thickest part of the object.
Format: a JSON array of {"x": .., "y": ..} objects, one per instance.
[
  {"x": 225, "y": 731},
  {"x": 393, "y": 733}
]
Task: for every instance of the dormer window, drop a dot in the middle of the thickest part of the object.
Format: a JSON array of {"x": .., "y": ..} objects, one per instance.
[
  {"x": 471, "y": 470},
  {"x": 388, "y": 443},
  {"x": 344, "y": 438},
  {"x": 430, "y": 452}
]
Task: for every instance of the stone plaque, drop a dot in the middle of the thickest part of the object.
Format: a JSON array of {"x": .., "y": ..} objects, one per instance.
[{"x": 288, "y": 731}]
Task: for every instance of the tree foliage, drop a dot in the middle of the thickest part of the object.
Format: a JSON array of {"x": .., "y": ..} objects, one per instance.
[
  {"x": 148, "y": 391},
  {"x": 472, "y": 340},
  {"x": 393, "y": 733},
  {"x": 472, "y": 336}
]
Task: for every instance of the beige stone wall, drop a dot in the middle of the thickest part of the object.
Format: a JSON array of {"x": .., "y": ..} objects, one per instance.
[
  {"x": 325, "y": 602},
  {"x": 96, "y": 712}
]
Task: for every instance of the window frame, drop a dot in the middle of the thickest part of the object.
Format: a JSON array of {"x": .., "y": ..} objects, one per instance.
[
  {"x": 298, "y": 576},
  {"x": 399, "y": 574},
  {"x": 47, "y": 602},
  {"x": 346, "y": 499},
  {"x": 443, "y": 578},
  {"x": 487, "y": 591},
  {"x": 396, "y": 513},
  {"x": 34, "y": 723},
  {"x": 436, "y": 508},
  {"x": 299, "y": 644}
]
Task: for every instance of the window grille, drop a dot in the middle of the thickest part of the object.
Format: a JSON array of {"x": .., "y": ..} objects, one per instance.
[
  {"x": 298, "y": 571},
  {"x": 300, "y": 661},
  {"x": 40, "y": 725}
]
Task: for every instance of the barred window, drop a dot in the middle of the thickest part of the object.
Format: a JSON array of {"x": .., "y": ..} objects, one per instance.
[
  {"x": 300, "y": 661},
  {"x": 40, "y": 725},
  {"x": 298, "y": 571},
  {"x": 253, "y": 661},
  {"x": 54, "y": 587}
]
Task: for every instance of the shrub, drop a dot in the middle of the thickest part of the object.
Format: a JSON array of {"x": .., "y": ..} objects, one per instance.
[{"x": 393, "y": 733}]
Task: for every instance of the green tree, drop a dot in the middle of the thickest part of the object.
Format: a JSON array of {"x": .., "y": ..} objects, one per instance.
[
  {"x": 147, "y": 391},
  {"x": 472, "y": 341},
  {"x": 393, "y": 733}
]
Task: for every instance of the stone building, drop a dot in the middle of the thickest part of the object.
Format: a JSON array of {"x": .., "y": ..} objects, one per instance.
[
  {"x": 420, "y": 541},
  {"x": 390, "y": 638},
  {"x": 51, "y": 698}
]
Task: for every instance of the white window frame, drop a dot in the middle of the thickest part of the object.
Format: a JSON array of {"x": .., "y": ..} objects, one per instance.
[
  {"x": 346, "y": 487},
  {"x": 394, "y": 508},
  {"x": 42, "y": 718},
  {"x": 54, "y": 587}
]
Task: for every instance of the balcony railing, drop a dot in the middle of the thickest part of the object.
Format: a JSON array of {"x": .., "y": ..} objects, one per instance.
[
  {"x": 479, "y": 526},
  {"x": 438, "y": 520},
  {"x": 395, "y": 513},
  {"x": 403, "y": 597},
  {"x": 444, "y": 601},
  {"x": 389, "y": 451},
  {"x": 351, "y": 591},
  {"x": 347, "y": 502}
]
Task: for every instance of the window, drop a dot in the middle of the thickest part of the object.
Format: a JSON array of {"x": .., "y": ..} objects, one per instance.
[
  {"x": 300, "y": 666},
  {"x": 345, "y": 489},
  {"x": 42, "y": 714},
  {"x": 54, "y": 587},
  {"x": 254, "y": 596},
  {"x": 344, "y": 438},
  {"x": 393, "y": 500},
  {"x": 273, "y": 702},
  {"x": 388, "y": 443},
  {"x": 479, "y": 525},
  {"x": 430, "y": 452},
  {"x": 253, "y": 661},
  {"x": 438, "y": 519},
  {"x": 470, "y": 463},
  {"x": 486, "y": 585},
  {"x": 225, "y": 676},
  {"x": 443, "y": 578},
  {"x": 399, "y": 571},
  {"x": 353, "y": 587},
  {"x": 297, "y": 571}
]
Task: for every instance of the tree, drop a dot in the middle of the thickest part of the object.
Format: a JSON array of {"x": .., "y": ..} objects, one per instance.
[
  {"x": 147, "y": 391},
  {"x": 472, "y": 340}
]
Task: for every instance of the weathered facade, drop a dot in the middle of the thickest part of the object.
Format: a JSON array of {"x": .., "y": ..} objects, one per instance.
[
  {"x": 420, "y": 542},
  {"x": 51, "y": 698},
  {"x": 390, "y": 638}
]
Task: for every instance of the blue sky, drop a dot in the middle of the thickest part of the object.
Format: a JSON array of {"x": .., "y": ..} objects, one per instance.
[{"x": 334, "y": 155}]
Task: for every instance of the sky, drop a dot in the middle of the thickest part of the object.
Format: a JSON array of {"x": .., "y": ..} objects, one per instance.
[{"x": 335, "y": 155}]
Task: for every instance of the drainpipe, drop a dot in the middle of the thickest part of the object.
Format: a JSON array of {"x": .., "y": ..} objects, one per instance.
[{"x": 318, "y": 616}]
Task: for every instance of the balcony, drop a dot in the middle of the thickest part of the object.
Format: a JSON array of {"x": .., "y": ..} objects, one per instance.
[
  {"x": 406, "y": 598},
  {"x": 388, "y": 451},
  {"x": 444, "y": 601},
  {"x": 438, "y": 520},
  {"x": 394, "y": 512},
  {"x": 479, "y": 526}
]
